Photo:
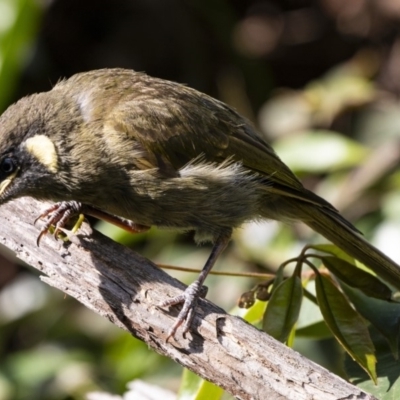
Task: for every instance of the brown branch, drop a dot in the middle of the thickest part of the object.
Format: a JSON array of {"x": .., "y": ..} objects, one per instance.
[{"x": 125, "y": 288}]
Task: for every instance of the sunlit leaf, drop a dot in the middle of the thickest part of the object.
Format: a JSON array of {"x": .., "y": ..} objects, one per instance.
[
  {"x": 195, "y": 388},
  {"x": 255, "y": 313},
  {"x": 334, "y": 250},
  {"x": 320, "y": 151},
  {"x": 388, "y": 371}
]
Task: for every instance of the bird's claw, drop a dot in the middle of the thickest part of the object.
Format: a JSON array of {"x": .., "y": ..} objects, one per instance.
[
  {"x": 189, "y": 299},
  {"x": 58, "y": 215}
]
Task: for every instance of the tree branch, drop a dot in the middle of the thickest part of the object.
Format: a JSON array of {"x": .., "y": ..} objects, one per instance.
[{"x": 126, "y": 288}]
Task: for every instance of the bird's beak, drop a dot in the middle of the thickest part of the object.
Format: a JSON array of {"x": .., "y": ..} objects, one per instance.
[{"x": 7, "y": 181}]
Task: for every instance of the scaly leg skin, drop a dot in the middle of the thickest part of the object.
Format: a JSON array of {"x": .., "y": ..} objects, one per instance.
[
  {"x": 189, "y": 298},
  {"x": 61, "y": 212},
  {"x": 58, "y": 215}
]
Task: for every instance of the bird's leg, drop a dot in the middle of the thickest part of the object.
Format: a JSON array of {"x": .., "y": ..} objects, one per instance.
[
  {"x": 61, "y": 212},
  {"x": 193, "y": 292},
  {"x": 123, "y": 223}
]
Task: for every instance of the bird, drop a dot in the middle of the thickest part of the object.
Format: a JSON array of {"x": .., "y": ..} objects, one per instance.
[{"x": 141, "y": 151}]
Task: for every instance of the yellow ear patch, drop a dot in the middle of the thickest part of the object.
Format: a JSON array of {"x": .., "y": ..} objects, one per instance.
[{"x": 43, "y": 149}]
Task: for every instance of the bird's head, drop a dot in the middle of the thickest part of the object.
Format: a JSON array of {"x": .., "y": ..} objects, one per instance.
[{"x": 29, "y": 161}]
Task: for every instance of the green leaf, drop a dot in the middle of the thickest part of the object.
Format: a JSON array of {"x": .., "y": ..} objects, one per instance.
[
  {"x": 311, "y": 323},
  {"x": 335, "y": 251},
  {"x": 320, "y": 151},
  {"x": 283, "y": 308},
  {"x": 278, "y": 278},
  {"x": 357, "y": 278},
  {"x": 317, "y": 331},
  {"x": 195, "y": 388},
  {"x": 20, "y": 21},
  {"x": 255, "y": 313},
  {"x": 346, "y": 324},
  {"x": 388, "y": 371},
  {"x": 383, "y": 315}
]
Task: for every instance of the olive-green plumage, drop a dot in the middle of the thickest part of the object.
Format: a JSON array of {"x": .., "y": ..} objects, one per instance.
[{"x": 159, "y": 153}]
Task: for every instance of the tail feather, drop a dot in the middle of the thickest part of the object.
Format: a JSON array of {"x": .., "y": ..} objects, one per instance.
[{"x": 339, "y": 231}]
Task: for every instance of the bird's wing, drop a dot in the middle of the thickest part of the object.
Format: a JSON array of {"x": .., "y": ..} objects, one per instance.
[{"x": 176, "y": 125}]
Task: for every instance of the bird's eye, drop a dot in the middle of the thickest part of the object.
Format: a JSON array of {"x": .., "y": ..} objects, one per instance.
[{"x": 7, "y": 165}]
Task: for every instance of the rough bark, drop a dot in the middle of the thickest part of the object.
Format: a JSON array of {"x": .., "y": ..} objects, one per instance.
[{"x": 126, "y": 288}]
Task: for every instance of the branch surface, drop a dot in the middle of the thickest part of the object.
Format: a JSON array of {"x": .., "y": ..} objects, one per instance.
[{"x": 126, "y": 288}]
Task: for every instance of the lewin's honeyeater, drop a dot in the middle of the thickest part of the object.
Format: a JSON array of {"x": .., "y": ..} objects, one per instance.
[{"x": 115, "y": 142}]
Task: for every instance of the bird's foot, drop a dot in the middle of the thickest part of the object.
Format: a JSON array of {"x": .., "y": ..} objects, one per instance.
[
  {"x": 58, "y": 215},
  {"x": 189, "y": 298}
]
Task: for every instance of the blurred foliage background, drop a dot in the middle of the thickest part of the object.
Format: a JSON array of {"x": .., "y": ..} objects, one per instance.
[{"x": 319, "y": 78}]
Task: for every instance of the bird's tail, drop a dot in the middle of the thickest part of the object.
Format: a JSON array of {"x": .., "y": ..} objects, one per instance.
[{"x": 329, "y": 223}]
